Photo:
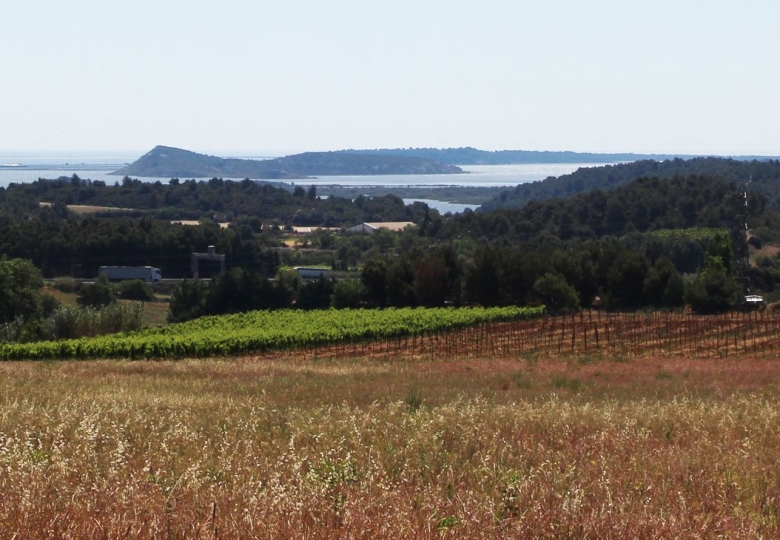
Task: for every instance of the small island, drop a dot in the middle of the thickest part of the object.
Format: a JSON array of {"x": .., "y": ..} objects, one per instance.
[{"x": 168, "y": 162}]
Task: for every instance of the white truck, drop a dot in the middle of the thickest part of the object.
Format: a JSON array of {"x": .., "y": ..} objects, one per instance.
[{"x": 119, "y": 273}]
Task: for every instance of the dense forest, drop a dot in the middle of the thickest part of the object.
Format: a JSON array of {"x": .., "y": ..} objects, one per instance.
[
  {"x": 191, "y": 200},
  {"x": 643, "y": 205},
  {"x": 765, "y": 179}
]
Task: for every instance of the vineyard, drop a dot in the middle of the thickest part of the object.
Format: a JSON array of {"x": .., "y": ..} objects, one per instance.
[
  {"x": 435, "y": 333},
  {"x": 583, "y": 334},
  {"x": 263, "y": 331},
  {"x": 599, "y": 333}
]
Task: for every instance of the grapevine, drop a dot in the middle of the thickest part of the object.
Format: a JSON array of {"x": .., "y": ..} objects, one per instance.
[{"x": 262, "y": 331}]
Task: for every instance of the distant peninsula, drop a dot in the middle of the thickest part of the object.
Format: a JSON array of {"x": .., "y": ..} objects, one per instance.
[
  {"x": 473, "y": 156},
  {"x": 168, "y": 162}
]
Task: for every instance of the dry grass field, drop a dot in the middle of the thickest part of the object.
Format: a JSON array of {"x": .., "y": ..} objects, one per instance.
[
  {"x": 534, "y": 446},
  {"x": 155, "y": 312}
]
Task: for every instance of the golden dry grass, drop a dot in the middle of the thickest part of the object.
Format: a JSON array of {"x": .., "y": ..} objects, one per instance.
[
  {"x": 463, "y": 448},
  {"x": 155, "y": 313},
  {"x": 64, "y": 298}
]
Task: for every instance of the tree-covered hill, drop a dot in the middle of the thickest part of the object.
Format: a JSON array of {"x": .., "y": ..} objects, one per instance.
[
  {"x": 765, "y": 179},
  {"x": 167, "y": 162},
  {"x": 643, "y": 205}
]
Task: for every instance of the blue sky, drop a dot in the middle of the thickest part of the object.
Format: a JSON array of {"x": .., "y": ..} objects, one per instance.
[{"x": 280, "y": 77}]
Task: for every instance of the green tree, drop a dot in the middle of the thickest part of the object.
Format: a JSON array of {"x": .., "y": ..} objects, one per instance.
[
  {"x": 187, "y": 301},
  {"x": 374, "y": 278},
  {"x": 315, "y": 294},
  {"x": 713, "y": 290},
  {"x": 21, "y": 290},
  {"x": 483, "y": 281},
  {"x": 625, "y": 280},
  {"x": 348, "y": 293},
  {"x": 663, "y": 285},
  {"x": 555, "y": 293},
  {"x": 431, "y": 281},
  {"x": 135, "y": 289},
  {"x": 100, "y": 293},
  {"x": 400, "y": 283}
]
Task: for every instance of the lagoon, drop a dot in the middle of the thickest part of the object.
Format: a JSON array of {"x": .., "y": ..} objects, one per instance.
[{"x": 22, "y": 167}]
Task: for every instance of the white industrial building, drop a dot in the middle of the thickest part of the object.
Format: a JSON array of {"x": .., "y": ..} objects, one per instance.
[{"x": 372, "y": 227}]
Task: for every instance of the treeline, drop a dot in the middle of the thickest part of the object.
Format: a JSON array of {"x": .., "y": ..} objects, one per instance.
[
  {"x": 567, "y": 276},
  {"x": 647, "y": 204},
  {"x": 76, "y": 246},
  {"x": 639, "y": 214},
  {"x": 190, "y": 200},
  {"x": 765, "y": 179},
  {"x": 603, "y": 273}
]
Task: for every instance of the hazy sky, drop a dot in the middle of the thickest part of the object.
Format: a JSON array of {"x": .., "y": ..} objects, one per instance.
[{"x": 282, "y": 76}]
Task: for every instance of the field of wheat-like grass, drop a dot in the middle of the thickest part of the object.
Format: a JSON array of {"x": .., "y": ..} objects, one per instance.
[{"x": 492, "y": 447}]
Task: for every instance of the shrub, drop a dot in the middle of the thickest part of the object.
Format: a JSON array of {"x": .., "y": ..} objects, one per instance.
[
  {"x": 65, "y": 284},
  {"x": 74, "y": 322},
  {"x": 97, "y": 294},
  {"x": 135, "y": 289}
]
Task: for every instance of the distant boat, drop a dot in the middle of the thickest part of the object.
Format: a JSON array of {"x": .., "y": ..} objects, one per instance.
[{"x": 9, "y": 165}]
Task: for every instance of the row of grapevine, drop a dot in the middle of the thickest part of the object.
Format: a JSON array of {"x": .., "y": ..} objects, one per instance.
[
  {"x": 585, "y": 334},
  {"x": 436, "y": 333},
  {"x": 269, "y": 331},
  {"x": 665, "y": 333}
]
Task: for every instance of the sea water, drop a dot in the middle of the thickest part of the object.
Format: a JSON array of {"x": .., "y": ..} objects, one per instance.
[{"x": 22, "y": 167}]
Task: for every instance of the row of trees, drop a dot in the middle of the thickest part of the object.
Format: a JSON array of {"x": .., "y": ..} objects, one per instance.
[
  {"x": 499, "y": 274},
  {"x": 597, "y": 273},
  {"x": 240, "y": 290},
  {"x": 605, "y": 274},
  {"x": 78, "y": 246}
]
